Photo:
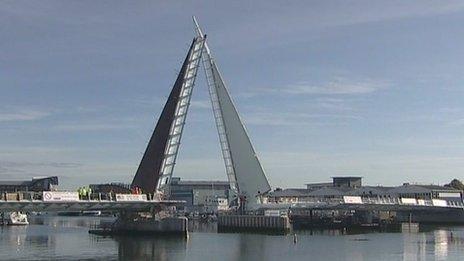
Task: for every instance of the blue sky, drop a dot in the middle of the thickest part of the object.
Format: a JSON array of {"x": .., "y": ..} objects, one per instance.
[{"x": 369, "y": 88}]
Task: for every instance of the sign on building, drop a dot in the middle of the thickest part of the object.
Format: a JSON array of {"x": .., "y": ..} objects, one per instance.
[
  {"x": 131, "y": 197},
  {"x": 409, "y": 201},
  {"x": 439, "y": 202},
  {"x": 352, "y": 199},
  {"x": 58, "y": 196},
  {"x": 449, "y": 194}
]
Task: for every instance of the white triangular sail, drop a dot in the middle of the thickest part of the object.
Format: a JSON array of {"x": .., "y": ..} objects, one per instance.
[{"x": 243, "y": 167}]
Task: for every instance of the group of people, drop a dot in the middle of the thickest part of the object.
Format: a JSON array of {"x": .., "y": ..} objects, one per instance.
[
  {"x": 136, "y": 190},
  {"x": 84, "y": 192}
]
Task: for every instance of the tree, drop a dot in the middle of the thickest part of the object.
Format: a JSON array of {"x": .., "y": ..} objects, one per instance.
[{"x": 456, "y": 184}]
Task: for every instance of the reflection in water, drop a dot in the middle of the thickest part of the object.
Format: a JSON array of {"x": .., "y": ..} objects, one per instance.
[
  {"x": 441, "y": 243},
  {"x": 149, "y": 248},
  {"x": 67, "y": 238},
  {"x": 438, "y": 243}
]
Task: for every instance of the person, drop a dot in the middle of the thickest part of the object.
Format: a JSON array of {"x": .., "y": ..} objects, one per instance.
[
  {"x": 89, "y": 192},
  {"x": 84, "y": 192}
]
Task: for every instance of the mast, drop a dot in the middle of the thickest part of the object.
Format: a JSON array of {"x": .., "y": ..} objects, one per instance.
[
  {"x": 157, "y": 164},
  {"x": 244, "y": 171}
]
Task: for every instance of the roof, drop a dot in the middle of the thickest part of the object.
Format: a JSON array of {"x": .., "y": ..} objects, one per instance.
[
  {"x": 289, "y": 193},
  {"x": 326, "y": 184},
  {"x": 330, "y": 191},
  {"x": 436, "y": 187},
  {"x": 52, "y": 179},
  {"x": 14, "y": 183},
  {"x": 202, "y": 183},
  {"x": 347, "y": 177},
  {"x": 407, "y": 189},
  {"x": 370, "y": 190}
]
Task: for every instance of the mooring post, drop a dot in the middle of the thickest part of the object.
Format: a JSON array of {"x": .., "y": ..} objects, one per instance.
[{"x": 410, "y": 221}]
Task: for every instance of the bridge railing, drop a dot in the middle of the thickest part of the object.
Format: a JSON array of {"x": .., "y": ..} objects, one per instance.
[{"x": 31, "y": 196}]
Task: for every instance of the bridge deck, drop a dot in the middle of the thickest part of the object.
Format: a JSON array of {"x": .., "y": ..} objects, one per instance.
[{"x": 84, "y": 205}]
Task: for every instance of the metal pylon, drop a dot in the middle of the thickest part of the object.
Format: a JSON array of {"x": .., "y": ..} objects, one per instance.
[{"x": 175, "y": 132}]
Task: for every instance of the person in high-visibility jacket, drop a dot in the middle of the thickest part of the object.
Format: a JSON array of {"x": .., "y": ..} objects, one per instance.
[{"x": 79, "y": 191}]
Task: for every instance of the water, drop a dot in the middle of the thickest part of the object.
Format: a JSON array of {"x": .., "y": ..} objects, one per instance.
[{"x": 66, "y": 238}]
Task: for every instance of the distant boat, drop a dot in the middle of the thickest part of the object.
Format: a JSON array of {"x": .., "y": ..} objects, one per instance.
[
  {"x": 80, "y": 213},
  {"x": 16, "y": 219},
  {"x": 91, "y": 213},
  {"x": 69, "y": 213}
]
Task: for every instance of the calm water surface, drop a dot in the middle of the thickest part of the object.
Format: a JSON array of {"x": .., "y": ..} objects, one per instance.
[{"x": 67, "y": 238}]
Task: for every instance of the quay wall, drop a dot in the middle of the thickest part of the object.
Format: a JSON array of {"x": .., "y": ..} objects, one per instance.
[
  {"x": 450, "y": 216},
  {"x": 237, "y": 223},
  {"x": 151, "y": 226}
]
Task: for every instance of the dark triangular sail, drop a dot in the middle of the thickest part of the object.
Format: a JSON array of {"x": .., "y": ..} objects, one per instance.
[{"x": 159, "y": 158}]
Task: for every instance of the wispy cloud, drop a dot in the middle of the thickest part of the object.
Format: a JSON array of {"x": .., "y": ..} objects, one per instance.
[
  {"x": 297, "y": 119},
  {"x": 85, "y": 126},
  {"x": 459, "y": 122},
  {"x": 21, "y": 115},
  {"x": 15, "y": 164},
  {"x": 336, "y": 86},
  {"x": 333, "y": 104},
  {"x": 27, "y": 169},
  {"x": 203, "y": 104}
]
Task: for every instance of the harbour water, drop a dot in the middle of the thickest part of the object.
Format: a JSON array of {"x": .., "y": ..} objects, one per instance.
[{"x": 67, "y": 238}]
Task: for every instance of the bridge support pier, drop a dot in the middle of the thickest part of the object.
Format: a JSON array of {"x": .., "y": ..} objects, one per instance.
[{"x": 156, "y": 222}]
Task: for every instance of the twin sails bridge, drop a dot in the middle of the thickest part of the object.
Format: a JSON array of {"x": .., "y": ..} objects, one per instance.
[{"x": 243, "y": 168}]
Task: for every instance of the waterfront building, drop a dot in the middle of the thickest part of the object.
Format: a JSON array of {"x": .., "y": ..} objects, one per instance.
[
  {"x": 352, "y": 186},
  {"x": 201, "y": 196},
  {"x": 114, "y": 187},
  {"x": 37, "y": 184}
]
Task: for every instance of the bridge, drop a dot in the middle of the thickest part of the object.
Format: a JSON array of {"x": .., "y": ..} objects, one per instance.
[
  {"x": 85, "y": 205},
  {"x": 70, "y": 201}
]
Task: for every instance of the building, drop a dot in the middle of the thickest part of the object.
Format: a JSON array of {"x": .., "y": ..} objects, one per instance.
[
  {"x": 117, "y": 188},
  {"x": 352, "y": 186},
  {"x": 201, "y": 196},
  {"x": 347, "y": 182},
  {"x": 37, "y": 184}
]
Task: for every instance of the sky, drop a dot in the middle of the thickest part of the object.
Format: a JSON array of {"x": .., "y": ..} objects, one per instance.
[{"x": 325, "y": 88}]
